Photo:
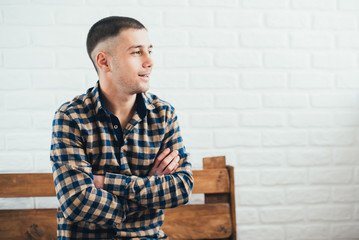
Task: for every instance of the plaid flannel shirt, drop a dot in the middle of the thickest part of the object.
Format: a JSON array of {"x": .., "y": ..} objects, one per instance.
[{"x": 130, "y": 205}]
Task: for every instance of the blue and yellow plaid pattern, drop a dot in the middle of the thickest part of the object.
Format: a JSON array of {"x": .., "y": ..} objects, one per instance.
[{"x": 84, "y": 143}]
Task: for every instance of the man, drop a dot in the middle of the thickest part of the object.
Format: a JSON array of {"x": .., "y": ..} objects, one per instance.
[{"x": 117, "y": 154}]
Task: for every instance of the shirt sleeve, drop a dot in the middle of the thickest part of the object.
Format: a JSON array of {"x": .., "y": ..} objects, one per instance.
[
  {"x": 79, "y": 199},
  {"x": 158, "y": 191}
]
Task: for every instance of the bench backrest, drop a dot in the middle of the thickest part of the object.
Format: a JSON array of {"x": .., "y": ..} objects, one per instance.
[{"x": 215, "y": 219}]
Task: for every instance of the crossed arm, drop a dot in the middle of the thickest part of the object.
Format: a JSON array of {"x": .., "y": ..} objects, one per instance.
[{"x": 109, "y": 199}]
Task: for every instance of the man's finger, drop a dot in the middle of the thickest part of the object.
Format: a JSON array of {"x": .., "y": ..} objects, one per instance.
[
  {"x": 162, "y": 155},
  {"x": 172, "y": 166},
  {"x": 165, "y": 162}
]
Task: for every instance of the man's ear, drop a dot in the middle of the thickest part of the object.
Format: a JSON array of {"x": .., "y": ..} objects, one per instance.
[{"x": 102, "y": 62}]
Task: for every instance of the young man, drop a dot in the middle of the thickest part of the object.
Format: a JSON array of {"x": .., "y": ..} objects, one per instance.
[{"x": 117, "y": 154}]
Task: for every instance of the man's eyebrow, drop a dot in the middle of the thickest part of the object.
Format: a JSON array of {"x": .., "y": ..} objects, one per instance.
[{"x": 139, "y": 46}]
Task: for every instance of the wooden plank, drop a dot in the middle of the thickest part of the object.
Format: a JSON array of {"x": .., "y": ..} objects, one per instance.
[
  {"x": 27, "y": 185},
  {"x": 214, "y": 162},
  {"x": 28, "y": 224},
  {"x": 202, "y": 221},
  {"x": 211, "y": 181},
  {"x": 232, "y": 202}
]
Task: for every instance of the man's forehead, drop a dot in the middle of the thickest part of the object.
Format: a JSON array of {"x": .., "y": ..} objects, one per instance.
[{"x": 130, "y": 38}]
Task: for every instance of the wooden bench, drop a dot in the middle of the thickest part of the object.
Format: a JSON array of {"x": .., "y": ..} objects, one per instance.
[{"x": 215, "y": 219}]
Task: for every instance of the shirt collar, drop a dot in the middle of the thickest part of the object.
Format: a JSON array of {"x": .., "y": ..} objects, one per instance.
[{"x": 143, "y": 102}]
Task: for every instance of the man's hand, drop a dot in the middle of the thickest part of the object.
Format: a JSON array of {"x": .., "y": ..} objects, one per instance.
[
  {"x": 166, "y": 163},
  {"x": 98, "y": 180}
]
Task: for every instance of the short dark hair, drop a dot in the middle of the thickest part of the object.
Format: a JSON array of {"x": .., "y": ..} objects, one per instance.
[{"x": 106, "y": 28}]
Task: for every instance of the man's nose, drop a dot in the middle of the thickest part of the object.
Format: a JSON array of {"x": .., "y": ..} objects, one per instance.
[{"x": 148, "y": 61}]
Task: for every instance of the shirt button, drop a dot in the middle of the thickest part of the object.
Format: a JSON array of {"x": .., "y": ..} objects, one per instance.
[{"x": 115, "y": 127}]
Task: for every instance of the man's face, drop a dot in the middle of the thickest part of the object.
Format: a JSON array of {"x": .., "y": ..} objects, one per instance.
[{"x": 131, "y": 62}]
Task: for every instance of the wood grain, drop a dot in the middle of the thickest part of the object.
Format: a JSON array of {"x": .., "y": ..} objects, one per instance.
[
  {"x": 27, "y": 185},
  {"x": 211, "y": 181},
  {"x": 202, "y": 221},
  {"x": 28, "y": 224}
]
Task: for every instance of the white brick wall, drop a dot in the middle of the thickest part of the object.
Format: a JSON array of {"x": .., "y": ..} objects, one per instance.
[{"x": 271, "y": 84}]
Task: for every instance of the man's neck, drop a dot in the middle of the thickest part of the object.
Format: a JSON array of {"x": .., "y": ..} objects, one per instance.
[{"x": 120, "y": 104}]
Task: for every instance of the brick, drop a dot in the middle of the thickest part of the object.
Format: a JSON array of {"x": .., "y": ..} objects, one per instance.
[
  {"x": 261, "y": 232},
  {"x": 58, "y": 80},
  {"x": 187, "y": 59},
  {"x": 189, "y": 100},
  {"x": 73, "y": 59},
  {"x": 348, "y": 80},
  {"x": 213, "y": 38},
  {"x": 312, "y": 231},
  {"x": 168, "y": 38},
  {"x": 42, "y": 162},
  {"x": 16, "y": 203},
  {"x": 347, "y": 194},
  {"x": 235, "y": 19},
  {"x": 312, "y": 157},
  {"x": 213, "y": 3},
  {"x": 213, "y": 80},
  {"x": 334, "y": 100},
  {"x": 345, "y": 231},
  {"x": 283, "y": 177},
  {"x": 14, "y": 2},
  {"x": 246, "y": 177},
  {"x": 286, "y": 100},
  {"x": 318, "y": 4},
  {"x": 235, "y": 138},
  {"x": 348, "y": 5},
  {"x": 77, "y": 15},
  {"x": 39, "y": 15},
  {"x": 263, "y": 119},
  {"x": 260, "y": 157},
  {"x": 14, "y": 37},
  {"x": 237, "y": 101},
  {"x": 169, "y": 80},
  {"x": 15, "y": 120},
  {"x": 29, "y": 100},
  {"x": 330, "y": 175},
  {"x": 337, "y": 21},
  {"x": 330, "y": 213},
  {"x": 334, "y": 60},
  {"x": 198, "y": 139},
  {"x": 312, "y": 40},
  {"x": 42, "y": 120},
  {"x": 238, "y": 59},
  {"x": 287, "y": 20},
  {"x": 332, "y": 137},
  {"x": 61, "y": 2},
  {"x": 162, "y": 3},
  {"x": 346, "y": 119},
  {"x": 14, "y": 80},
  {"x": 260, "y": 197},
  {"x": 28, "y": 141},
  {"x": 59, "y": 37},
  {"x": 63, "y": 96},
  {"x": 2, "y": 142},
  {"x": 46, "y": 202},
  {"x": 263, "y": 39},
  {"x": 311, "y": 80},
  {"x": 264, "y": 80},
  {"x": 283, "y": 59},
  {"x": 28, "y": 59},
  {"x": 264, "y": 4},
  {"x": 347, "y": 156},
  {"x": 281, "y": 215},
  {"x": 213, "y": 120},
  {"x": 188, "y": 17},
  {"x": 308, "y": 195},
  {"x": 246, "y": 216},
  {"x": 16, "y": 162},
  {"x": 310, "y": 119},
  {"x": 348, "y": 40},
  {"x": 276, "y": 138}
]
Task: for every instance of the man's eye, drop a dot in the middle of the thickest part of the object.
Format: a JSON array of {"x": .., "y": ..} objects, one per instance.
[{"x": 137, "y": 52}]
